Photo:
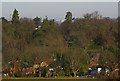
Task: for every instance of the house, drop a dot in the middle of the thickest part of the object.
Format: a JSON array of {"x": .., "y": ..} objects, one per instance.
[
  {"x": 47, "y": 62},
  {"x": 99, "y": 69},
  {"x": 35, "y": 69},
  {"x": 112, "y": 73},
  {"x": 36, "y": 66},
  {"x": 15, "y": 68},
  {"x": 11, "y": 69},
  {"x": 48, "y": 74},
  {"x": 94, "y": 67},
  {"x": 32, "y": 69},
  {"x": 95, "y": 71},
  {"x": 115, "y": 73},
  {"x": 94, "y": 60},
  {"x": 27, "y": 71},
  {"x": 36, "y": 63}
]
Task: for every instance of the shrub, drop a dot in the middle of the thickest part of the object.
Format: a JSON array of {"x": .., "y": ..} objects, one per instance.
[
  {"x": 61, "y": 73},
  {"x": 18, "y": 74}
]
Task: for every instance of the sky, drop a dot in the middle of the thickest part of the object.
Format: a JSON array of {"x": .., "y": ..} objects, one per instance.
[
  {"x": 60, "y": 0},
  {"x": 57, "y": 10}
]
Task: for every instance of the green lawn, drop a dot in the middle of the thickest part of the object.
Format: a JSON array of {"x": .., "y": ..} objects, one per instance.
[
  {"x": 47, "y": 78},
  {"x": 51, "y": 79}
]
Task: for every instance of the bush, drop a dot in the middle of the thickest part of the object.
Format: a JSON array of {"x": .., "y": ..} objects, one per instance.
[
  {"x": 43, "y": 72},
  {"x": 94, "y": 46},
  {"x": 82, "y": 71},
  {"x": 113, "y": 49},
  {"x": 61, "y": 73},
  {"x": 18, "y": 74}
]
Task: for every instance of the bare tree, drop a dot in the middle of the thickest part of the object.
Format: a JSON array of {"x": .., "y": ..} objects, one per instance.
[{"x": 76, "y": 59}]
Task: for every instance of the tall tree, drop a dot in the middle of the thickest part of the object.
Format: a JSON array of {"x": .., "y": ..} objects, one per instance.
[
  {"x": 108, "y": 61},
  {"x": 94, "y": 15},
  {"x": 77, "y": 59},
  {"x": 3, "y": 19},
  {"x": 37, "y": 20},
  {"x": 68, "y": 17},
  {"x": 87, "y": 16},
  {"x": 15, "y": 17}
]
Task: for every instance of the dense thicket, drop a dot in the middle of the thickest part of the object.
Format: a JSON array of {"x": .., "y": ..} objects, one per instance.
[{"x": 72, "y": 43}]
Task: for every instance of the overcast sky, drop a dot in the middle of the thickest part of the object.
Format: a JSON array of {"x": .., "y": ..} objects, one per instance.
[{"x": 57, "y": 10}]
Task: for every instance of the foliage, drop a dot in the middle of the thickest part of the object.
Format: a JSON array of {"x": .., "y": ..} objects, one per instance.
[
  {"x": 68, "y": 17},
  {"x": 4, "y": 20},
  {"x": 61, "y": 73},
  {"x": 82, "y": 71},
  {"x": 71, "y": 44},
  {"x": 99, "y": 40},
  {"x": 94, "y": 46},
  {"x": 108, "y": 60},
  {"x": 43, "y": 72},
  {"x": 37, "y": 20},
  {"x": 93, "y": 15},
  {"x": 76, "y": 59},
  {"x": 18, "y": 74},
  {"x": 113, "y": 49},
  {"x": 15, "y": 17},
  {"x": 25, "y": 63}
]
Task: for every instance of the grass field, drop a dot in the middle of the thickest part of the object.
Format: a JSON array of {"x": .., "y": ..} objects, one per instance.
[
  {"x": 54, "y": 79},
  {"x": 45, "y": 78}
]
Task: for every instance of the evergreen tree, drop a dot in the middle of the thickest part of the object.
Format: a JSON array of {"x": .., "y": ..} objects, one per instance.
[
  {"x": 3, "y": 19},
  {"x": 37, "y": 20},
  {"x": 68, "y": 17},
  {"x": 15, "y": 17}
]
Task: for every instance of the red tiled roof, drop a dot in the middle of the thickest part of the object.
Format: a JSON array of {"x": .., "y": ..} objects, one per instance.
[
  {"x": 93, "y": 62},
  {"x": 49, "y": 61},
  {"x": 36, "y": 61}
]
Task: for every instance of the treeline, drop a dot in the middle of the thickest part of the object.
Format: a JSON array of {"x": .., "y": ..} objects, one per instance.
[{"x": 72, "y": 42}]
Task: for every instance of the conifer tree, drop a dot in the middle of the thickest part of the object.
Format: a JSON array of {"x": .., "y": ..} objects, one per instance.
[
  {"x": 68, "y": 17},
  {"x": 15, "y": 17},
  {"x": 37, "y": 20}
]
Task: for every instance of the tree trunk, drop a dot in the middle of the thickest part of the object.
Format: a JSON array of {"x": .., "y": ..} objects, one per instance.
[{"x": 74, "y": 73}]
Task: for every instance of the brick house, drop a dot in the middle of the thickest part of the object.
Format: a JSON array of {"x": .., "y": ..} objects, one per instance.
[
  {"x": 94, "y": 61},
  {"x": 47, "y": 63}
]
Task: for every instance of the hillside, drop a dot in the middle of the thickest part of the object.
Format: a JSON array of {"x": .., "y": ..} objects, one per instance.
[{"x": 71, "y": 43}]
